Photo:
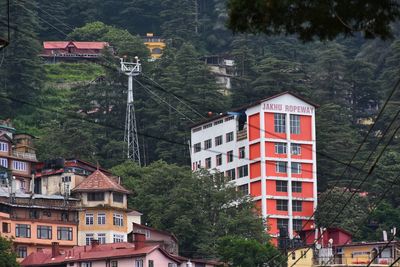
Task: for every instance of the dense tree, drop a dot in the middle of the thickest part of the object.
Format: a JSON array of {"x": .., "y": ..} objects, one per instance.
[
  {"x": 7, "y": 256},
  {"x": 240, "y": 252},
  {"x": 196, "y": 207},
  {"x": 314, "y": 19},
  {"x": 21, "y": 74},
  {"x": 351, "y": 218}
]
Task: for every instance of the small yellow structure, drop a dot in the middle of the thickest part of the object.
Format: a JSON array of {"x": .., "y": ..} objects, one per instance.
[
  {"x": 156, "y": 45},
  {"x": 301, "y": 257}
]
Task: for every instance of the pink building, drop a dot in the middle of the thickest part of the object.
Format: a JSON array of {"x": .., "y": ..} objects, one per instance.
[{"x": 124, "y": 254}]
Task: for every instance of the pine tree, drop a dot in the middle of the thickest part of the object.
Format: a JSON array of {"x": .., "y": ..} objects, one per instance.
[{"x": 21, "y": 76}]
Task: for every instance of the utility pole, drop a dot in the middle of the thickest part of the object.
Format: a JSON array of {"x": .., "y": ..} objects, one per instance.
[{"x": 131, "y": 69}]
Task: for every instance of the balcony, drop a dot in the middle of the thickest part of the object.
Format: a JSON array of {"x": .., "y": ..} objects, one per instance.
[
  {"x": 353, "y": 261},
  {"x": 24, "y": 155},
  {"x": 241, "y": 134}
]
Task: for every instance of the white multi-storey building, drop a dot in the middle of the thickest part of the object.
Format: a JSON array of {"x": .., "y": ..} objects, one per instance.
[{"x": 268, "y": 149}]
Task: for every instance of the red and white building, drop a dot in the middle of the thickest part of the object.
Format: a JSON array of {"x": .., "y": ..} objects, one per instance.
[{"x": 268, "y": 150}]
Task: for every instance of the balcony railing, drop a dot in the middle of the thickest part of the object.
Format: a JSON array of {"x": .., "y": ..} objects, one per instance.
[
  {"x": 354, "y": 261},
  {"x": 24, "y": 155},
  {"x": 241, "y": 134}
]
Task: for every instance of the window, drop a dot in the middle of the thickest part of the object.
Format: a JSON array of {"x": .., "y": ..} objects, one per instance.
[
  {"x": 47, "y": 213},
  {"x": 207, "y": 126},
  {"x": 19, "y": 165},
  {"x": 89, "y": 219},
  {"x": 66, "y": 179},
  {"x": 3, "y": 147},
  {"x": 151, "y": 263},
  {"x": 102, "y": 238},
  {"x": 118, "y": 197},
  {"x": 117, "y": 238},
  {"x": 23, "y": 230},
  {"x": 218, "y": 140},
  {"x": 34, "y": 214},
  {"x": 297, "y": 205},
  {"x": 279, "y": 123},
  {"x": 231, "y": 173},
  {"x": 199, "y": 164},
  {"x": 89, "y": 238},
  {"x": 197, "y": 147},
  {"x": 280, "y": 148},
  {"x": 64, "y": 233},
  {"x": 22, "y": 252},
  {"x": 118, "y": 219},
  {"x": 294, "y": 124},
  {"x": 219, "y": 160},
  {"x": 148, "y": 234},
  {"x": 208, "y": 163},
  {"x": 296, "y": 187},
  {"x": 282, "y": 204},
  {"x": 114, "y": 263},
  {"x": 4, "y": 162},
  {"x": 207, "y": 144},
  {"x": 101, "y": 218},
  {"x": 218, "y": 122},
  {"x": 229, "y": 118},
  {"x": 296, "y": 167},
  {"x": 170, "y": 264},
  {"x": 98, "y": 196},
  {"x": 282, "y": 223},
  {"x": 6, "y": 227},
  {"x": 244, "y": 189},
  {"x": 281, "y": 186},
  {"x": 229, "y": 137},
  {"x": 86, "y": 264},
  {"x": 242, "y": 152},
  {"x": 44, "y": 232},
  {"x": 229, "y": 156},
  {"x": 297, "y": 225},
  {"x": 243, "y": 171},
  {"x": 295, "y": 149},
  {"x": 281, "y": 167},
  {"x": 198, "y": 129}
]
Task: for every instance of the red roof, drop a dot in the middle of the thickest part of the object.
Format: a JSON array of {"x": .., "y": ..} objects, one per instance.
[
  {"x": 79, "y": 45},
  {"x": 98, "y": 181},
  {"x": 89, "y": 253}
]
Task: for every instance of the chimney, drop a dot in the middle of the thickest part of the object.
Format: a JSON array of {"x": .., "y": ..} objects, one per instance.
[
  {"x": 95, "y": 243},
  {"x": 139, "y": 240},
  {"x": 55, "y": 249}
]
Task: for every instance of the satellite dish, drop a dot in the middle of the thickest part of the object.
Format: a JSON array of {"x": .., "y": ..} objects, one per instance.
[{"x": 318, "y": 246}]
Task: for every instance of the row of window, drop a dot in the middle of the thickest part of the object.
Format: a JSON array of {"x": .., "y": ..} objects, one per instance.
[
  {"x": 281, "y": 167},
  {"x": 111, "y": 264},
  {"x": 281, "y": 148},
  {"x": 284, "y": 223},
  {"x": 241, "y": 172},
  {"x": 282, "y": 205},
  {"x": 43, "y": 232},
  {"x": 16, "y": 165},
  {"x": 280, "y": 123},
  {"x": 99, "y": 196},
  {"x": 208, "y": 125},
  {"x": 101, "y": 237},
  {"x": 217, "y": 142},
  {"x": 118, "y": 219},
  {"x": 281, "y": 186}
]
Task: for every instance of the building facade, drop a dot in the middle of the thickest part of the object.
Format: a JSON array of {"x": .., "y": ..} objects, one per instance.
[
  {"x": 17, "y": 158},
  {"x": 268, "y": 150},
  {"x": 156, "y": 45},
  {"x": 104, "y": 209},
  {"x": 35, "y": 221}
]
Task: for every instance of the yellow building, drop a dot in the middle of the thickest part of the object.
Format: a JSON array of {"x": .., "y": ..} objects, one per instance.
[
  {"x": 104, "y": 214},
  {"x": 156, "y": 45},
  {"x": 301, "y": 257}
]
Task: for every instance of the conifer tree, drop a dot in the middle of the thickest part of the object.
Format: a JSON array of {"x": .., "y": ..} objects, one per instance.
[{"x": 21, "y": 76}]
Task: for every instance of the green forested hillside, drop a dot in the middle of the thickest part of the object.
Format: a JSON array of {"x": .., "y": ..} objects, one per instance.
[{"x": 350, "y": 78}]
